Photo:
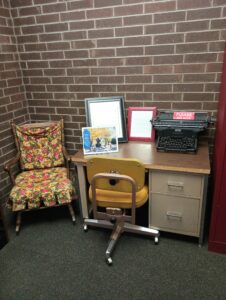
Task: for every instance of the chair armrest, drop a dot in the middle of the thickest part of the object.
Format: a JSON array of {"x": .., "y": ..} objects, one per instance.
[
  {"x": 67, "y": 158},
  {"x": 8, "y": 166},
  {"x": 66, "y": 155}
]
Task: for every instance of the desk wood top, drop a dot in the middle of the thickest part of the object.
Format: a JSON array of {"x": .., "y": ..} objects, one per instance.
[{"x": 153, "y": 160}]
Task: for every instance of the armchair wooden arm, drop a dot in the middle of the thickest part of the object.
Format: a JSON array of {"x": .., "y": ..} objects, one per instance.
[
  {"x": 8, "y": 167},
  {"x": 67, "y": 158}
]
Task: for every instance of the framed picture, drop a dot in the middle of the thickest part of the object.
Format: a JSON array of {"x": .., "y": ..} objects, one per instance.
[
  {"x": 107, "y": 112},
  {"x": 97, "y": 140},
  {"x": 139, "y": 124}
]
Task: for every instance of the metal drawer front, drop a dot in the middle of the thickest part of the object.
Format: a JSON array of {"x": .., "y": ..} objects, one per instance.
[
  {"x": 176, "y": 184},
  {"x": 175, "y": 214}
]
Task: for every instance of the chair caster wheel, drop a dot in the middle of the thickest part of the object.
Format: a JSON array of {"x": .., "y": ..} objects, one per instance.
[
  {"x": 156, "y": 240},
  {"x": 109, "y": 261},
  {"x": 85, "y": 227}
]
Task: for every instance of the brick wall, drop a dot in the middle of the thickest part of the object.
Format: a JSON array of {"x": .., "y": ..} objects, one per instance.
[
  {"x": 13, "y": 104},
  {"x": 155, "y": 53}
]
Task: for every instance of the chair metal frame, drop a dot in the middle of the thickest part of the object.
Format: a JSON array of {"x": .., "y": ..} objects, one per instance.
[{"x": 116, "y": 219}]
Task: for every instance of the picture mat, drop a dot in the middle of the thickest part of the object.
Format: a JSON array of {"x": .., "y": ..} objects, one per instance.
[{"x": 99, "y": 117}]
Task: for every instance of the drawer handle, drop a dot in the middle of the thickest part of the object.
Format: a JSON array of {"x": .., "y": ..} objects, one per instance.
[
  {"x": 175, "y": 186},
  {"x": 174, "y": 215}
]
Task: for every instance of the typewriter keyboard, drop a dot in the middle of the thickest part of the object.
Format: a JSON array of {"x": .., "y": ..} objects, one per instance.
[{"x": 179, "y": 144}]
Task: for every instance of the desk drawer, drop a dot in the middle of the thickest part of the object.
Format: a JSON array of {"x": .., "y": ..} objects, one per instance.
[
  {"x": 176, "y": 184},
  {"x": 175, "y": 214}
]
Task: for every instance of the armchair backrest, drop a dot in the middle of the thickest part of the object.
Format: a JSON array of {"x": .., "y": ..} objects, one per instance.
[
  {"x": 40, "y": 144},
  {"x": 129, "y": 167}
]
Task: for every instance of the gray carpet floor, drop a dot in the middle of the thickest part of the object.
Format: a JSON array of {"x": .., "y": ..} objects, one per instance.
[{"x": 52, "y": 259}]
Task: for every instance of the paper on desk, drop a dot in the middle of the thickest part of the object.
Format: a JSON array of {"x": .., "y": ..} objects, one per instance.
[{"x": 140, "y": 124}]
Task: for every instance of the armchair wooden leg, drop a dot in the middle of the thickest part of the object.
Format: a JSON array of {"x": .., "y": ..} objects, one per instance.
[
  {"x": 72, "y": 213},
  {"x": 18, "y": 222}
]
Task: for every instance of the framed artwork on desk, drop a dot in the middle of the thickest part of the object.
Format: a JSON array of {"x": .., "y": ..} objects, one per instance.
[
  {"x": 107, "y": 112},
  {"x": 139, "y": 124},
  {"x": 98, "y": 140}
]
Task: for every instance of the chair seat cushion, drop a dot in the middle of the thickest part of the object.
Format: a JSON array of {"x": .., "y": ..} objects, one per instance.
[
  {"x": 46, "y": 187},
  {"x": 107, "y": 198}
]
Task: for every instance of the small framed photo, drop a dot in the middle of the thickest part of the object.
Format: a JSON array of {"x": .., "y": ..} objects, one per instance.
[
  {"x": 107, "y": 112},
  {"x": 97, "y": 140},
  {"x": 140, "y": 124}
]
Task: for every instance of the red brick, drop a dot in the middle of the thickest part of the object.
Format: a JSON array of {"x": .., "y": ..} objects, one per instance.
[
  {"x": 130, "y": 88},
  {"x": 111, "y": 79},
  {"x": 158, "y": 88},
  {"x": 198, "y": 57},
  {"x": 48, "y": 18},
  {"x": 56, "y": 7},
  {"x": 117, "y": 42},
  {"x": 159, "y": 28},
  {"x": 140, "y": 40},
  {"x": 20, "y": 3},
  {"x": 169, "y": 17},
  {"x": 129, "y": 31},
  {"x": 167, "y": 78},
  {"x": 131, "y": 51},
  {"x": 102, "y": 53},
  {"x": 158, "y": 69},
  {"x": 157, "y": 50},
  {"x": 166, "y": 59},
  {"x": 192, "y": 26},
  {"x": 72, "y": 15},
  {"x": 128, "y": 10},
  {"x": 171, "y": 38},
  {"x": 50, "y": 37},
  {"x": 100, "y": 33},
  {"x": 202, "y": 36},
  {"x": 137, "y": 20},
  {"x": 160, "y": 7},
  {"x": 99, "y": 13},
  {"x": 56, "y": 27},
  {"x": 110, "y": 62},
  {"x": 26, "y": 11},
  {"x": 104, "y": 3},
  {"x": 139, "y": 79},
  {"x": 189, "y": 68},
  {"x": 145, "y": 60},
  {"x": 102, "y": 71},
  {"x": 167, "y": 97},
  {"x": 207, "y": 13},
  {"x": 129, "y": 70},
  {"x": 73, "y": 5},
  {"x": 80, "y": 25},
  {"x": 184, "y": 4}
]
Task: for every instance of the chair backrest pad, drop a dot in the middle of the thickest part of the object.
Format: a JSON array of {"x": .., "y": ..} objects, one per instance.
[
  {"x": 40, "y": 145},
  {"x": 129, "y": 167}
]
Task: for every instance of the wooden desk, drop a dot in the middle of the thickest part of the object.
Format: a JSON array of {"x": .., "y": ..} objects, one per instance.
[{"x": 177, "y": 185}]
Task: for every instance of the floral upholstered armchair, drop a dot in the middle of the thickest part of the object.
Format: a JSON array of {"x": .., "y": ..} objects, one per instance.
[{"x": 44, "y": 179}]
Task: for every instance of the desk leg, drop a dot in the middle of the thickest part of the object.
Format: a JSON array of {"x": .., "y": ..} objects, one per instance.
[
  {"x": 203, "y": 211},
  {"x": 83, "y": 190}
]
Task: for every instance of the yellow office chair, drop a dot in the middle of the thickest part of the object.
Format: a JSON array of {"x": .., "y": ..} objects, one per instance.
[{"x": 117, "y": 188}]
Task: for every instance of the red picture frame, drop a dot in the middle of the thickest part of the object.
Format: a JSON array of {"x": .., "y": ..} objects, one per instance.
[{"x": 139, "y": 124}]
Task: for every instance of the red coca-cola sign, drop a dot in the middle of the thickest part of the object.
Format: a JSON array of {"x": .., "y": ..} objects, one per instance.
[{"x": 183, "y": 115}]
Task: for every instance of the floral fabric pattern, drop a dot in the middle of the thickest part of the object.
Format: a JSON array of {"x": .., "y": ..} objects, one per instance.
[
  {"x": 47, "y": 186},
  {"x": 40, "y": 147}
]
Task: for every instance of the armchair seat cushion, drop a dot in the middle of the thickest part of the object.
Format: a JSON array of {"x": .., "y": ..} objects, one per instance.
[{"x": 38, "y": 187}]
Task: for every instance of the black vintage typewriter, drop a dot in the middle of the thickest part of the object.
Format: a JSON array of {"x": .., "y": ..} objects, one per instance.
[{"x": 178, "y": 131}]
